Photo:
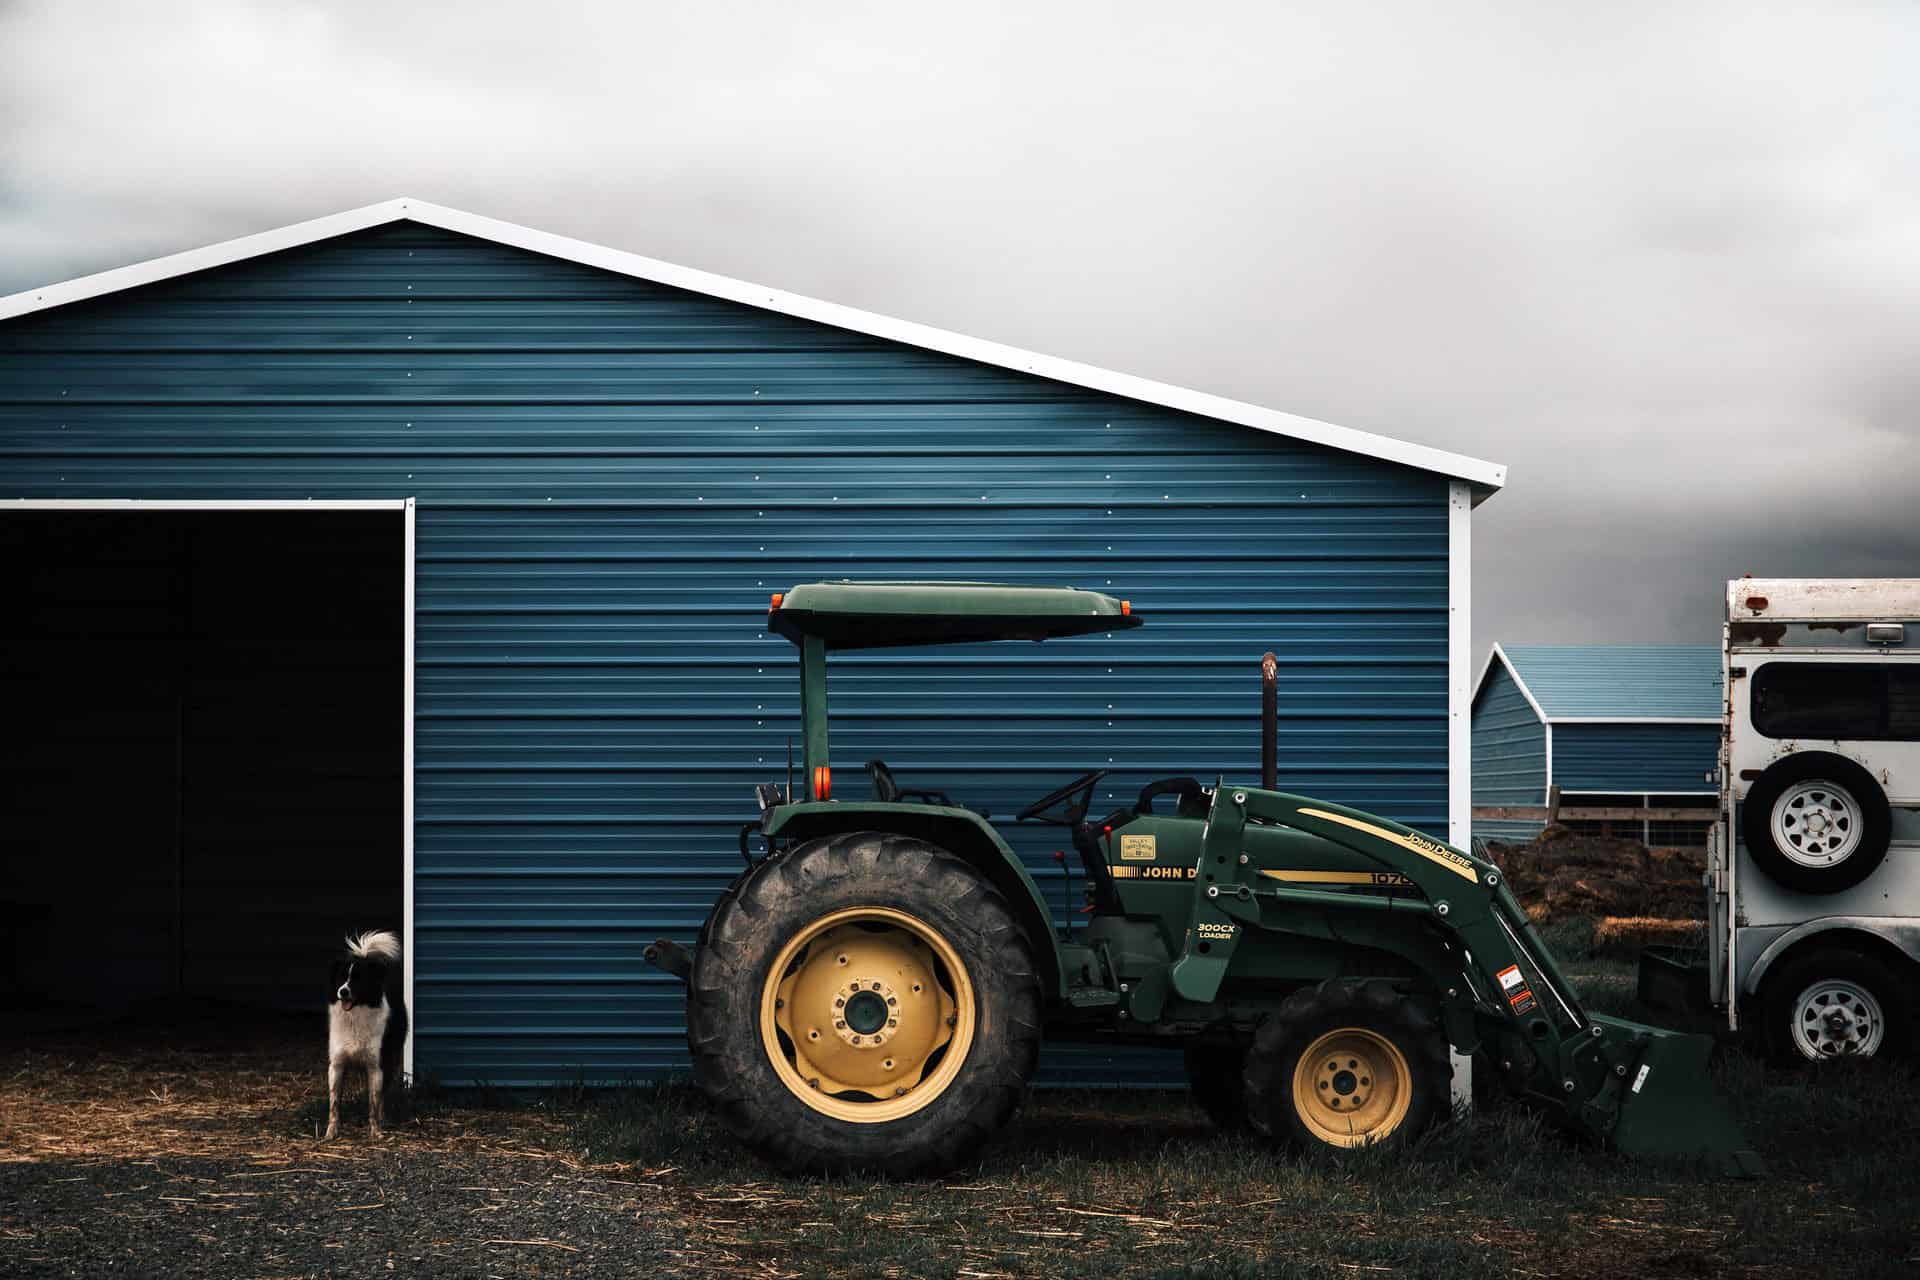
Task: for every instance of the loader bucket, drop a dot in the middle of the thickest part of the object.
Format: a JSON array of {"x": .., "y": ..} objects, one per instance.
[{"x": 1667, "y": 1105}]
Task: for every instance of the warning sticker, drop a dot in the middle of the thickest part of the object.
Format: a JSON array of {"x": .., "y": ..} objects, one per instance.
[
  {"x": 1514, "y": 984},
  {"x": 1642, "y": 1077},
  {"x": 1138, "y": 849}
]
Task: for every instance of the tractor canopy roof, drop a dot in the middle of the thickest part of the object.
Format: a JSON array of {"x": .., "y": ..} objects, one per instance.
[{"x": 874, "y": 615}]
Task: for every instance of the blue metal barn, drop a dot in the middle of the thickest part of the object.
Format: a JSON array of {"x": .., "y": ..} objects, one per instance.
[
  {"x": 1633, "y": 725},
  {"x": 597, "y": 468}
]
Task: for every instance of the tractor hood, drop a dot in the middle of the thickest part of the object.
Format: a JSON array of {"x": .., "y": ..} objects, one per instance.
[{"x": 874, "y": 615}]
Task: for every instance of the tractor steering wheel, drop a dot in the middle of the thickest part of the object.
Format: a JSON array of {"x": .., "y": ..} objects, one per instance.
[{"x": 1084, "y": 783}]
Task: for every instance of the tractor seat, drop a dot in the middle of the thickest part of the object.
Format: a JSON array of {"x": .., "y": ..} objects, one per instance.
[{"x": 887, "y": 791}]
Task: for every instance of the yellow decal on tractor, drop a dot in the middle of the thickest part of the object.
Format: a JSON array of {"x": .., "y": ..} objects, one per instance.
[
  {"x": 1138, "y": 849},
  {"x": 1434, "y": 852},
  {"x": 1376, "y": 878}
]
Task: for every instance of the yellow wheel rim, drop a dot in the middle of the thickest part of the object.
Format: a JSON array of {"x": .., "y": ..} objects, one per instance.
[
  {"x": 867, "y": 1014},
  {"x": 1352, "y": 1087}
]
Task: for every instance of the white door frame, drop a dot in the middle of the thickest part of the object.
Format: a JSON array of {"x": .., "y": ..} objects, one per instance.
[{"x": 404, "y": 505}]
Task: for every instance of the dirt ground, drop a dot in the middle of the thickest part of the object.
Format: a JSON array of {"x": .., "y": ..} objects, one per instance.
[
  {"x": 196, "y": 1153},
  {"x": 127, "y": 1153}
]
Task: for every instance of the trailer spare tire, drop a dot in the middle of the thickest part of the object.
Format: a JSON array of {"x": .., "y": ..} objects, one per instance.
[
  {"x": 864, "y": 1001},
  {"x": 1816, "y": 823}
]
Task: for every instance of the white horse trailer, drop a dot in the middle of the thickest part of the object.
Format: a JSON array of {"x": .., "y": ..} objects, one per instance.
[{"x": 1814, "y": 866}]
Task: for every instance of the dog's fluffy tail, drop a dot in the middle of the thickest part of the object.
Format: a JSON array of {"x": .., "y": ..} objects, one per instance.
[{"x": 379, "y": 942}]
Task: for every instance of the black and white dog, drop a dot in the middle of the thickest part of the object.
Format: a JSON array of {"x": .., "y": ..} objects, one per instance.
[{"x": 366, "y": 1023}]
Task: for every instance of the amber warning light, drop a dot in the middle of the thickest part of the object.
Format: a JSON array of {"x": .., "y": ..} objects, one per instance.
[
  {"x": 777, "y": 598},
  {"x": 1126, "y": 608}
]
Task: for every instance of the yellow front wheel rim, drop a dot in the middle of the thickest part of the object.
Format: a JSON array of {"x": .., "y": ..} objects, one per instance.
[
  {"x": 1351, "y": 1087},
  {"x": 867, "y": 1014}
]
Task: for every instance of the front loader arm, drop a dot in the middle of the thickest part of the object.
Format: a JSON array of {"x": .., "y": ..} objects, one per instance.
[
  {"x": 1511, "y": 997},
  {"x": 1468, "y": 895},
  {"x": 1464, "y": 895}
]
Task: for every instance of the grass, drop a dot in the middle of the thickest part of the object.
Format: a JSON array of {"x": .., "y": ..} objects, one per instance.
[{"x": 1137, "y": 1183}]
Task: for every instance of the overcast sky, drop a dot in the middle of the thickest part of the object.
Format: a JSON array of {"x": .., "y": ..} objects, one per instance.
[{"x": 1662, "y": 260}]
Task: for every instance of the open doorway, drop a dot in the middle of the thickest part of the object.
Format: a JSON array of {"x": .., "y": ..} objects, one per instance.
[{"x": 205, "y": 770}]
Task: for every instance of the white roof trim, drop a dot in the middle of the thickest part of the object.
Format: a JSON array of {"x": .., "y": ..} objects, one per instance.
[
  {"x": 1485, "y": 476},
  {"x": 1505, "y": 661},
  {"x": 1636, "y": 720}
]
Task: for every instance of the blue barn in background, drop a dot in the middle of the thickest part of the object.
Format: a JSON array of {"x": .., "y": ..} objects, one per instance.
[
  {"x": 578, "y": 475},
  {"x": 1625, "y": 725}
]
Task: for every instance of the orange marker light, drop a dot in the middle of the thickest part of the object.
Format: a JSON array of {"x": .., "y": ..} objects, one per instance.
[
  {"x": 822, "y": 783},
  {"x": 1126, "y": 608},
  {"x": 777, "y": 598}
]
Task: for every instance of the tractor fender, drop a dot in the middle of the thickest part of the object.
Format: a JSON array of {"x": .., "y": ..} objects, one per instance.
[{"x": 961, "y": 832}]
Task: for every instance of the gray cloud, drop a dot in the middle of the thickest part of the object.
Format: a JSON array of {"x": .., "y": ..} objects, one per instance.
[{"x": 1664, "y": 261}]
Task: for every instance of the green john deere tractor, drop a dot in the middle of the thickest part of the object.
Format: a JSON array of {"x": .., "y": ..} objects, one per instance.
[{"x": 872, "y": 992}]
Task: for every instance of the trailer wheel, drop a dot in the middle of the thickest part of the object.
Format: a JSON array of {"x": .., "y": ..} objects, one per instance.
[
  {"x": 1215, "y": 1074},
  {"x": 1834, "y": 1003},
  {"x": 1816, "y": 823},
  {"x": 864, "y": 1001},
  {"x": 1347, "y": 1064}
]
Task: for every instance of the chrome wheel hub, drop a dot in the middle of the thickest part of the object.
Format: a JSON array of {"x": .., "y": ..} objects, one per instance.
[
  {"x": 1837, "y": 1019},
  {"x": 1816, "y": 823}
]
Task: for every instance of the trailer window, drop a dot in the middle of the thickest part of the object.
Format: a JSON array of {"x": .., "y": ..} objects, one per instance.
[{"x": 1861, "y": 701}]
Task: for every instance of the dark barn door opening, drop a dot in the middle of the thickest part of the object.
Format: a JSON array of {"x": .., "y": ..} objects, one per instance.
[{"x": 202, "y": 783}]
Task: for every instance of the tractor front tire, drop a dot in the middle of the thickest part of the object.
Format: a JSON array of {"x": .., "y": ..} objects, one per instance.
[
  {"x": 864, "y": 1002},
  {"x": 1347, "y": 1064}
]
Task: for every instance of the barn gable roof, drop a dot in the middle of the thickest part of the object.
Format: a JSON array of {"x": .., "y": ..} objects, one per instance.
[
  {"x": 1614, "y": 683},
  {"x": 1484, "y": 477}
]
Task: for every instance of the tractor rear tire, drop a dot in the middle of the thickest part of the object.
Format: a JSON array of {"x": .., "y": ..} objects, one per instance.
[
  {"x": 1346, "y": 1064},
  {"x": 1216, "y": 1076},
  {"x": 864, "y": 1002}
]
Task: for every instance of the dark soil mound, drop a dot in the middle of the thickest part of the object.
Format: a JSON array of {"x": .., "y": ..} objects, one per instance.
[{"x": 1562, "y": 874}]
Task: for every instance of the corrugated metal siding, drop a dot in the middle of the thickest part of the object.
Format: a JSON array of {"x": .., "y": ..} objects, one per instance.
[
  {"x": 1635, "y": 757},
  {"x": 612, "y": 476},
  {"x": 1621, "y": 681},
  {"x": 1509, "y": 755}
]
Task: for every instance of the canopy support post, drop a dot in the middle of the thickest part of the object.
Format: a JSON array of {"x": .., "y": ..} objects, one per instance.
[{"x": 813, "y": 715}]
